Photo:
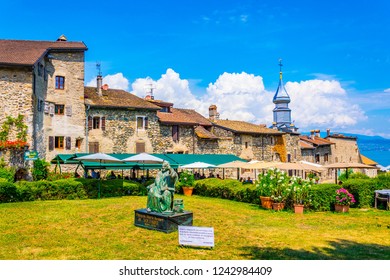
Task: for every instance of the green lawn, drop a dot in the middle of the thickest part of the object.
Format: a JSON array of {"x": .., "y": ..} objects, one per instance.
[{"x": 104, "y": 229}]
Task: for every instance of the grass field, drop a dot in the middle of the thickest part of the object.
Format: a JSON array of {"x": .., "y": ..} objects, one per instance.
[{"x": 104, "y": 230}]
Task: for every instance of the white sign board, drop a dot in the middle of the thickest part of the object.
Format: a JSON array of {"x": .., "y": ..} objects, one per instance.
[{"x": 196, "y": 236}]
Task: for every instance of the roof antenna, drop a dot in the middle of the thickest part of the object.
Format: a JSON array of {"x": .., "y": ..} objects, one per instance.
[{"x": 149, "y": 91}]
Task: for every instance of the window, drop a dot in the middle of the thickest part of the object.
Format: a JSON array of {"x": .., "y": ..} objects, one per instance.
[
  {"x": 78, "y": 143},
  {"x": 59, "y": 142},
  {"x": 288, "y": 157},
  {"x": 140, "y": 147},
  {"x": 326, "y": 157},
  {"x": 317, "y": 158},
  {"x": 246, "y": 145},
  {"x": 96, "y": 123},
  {"x": 93, "y": 147},
  {"x": 60, "y": 82},
  {"x": 59, "y": 109},
  {"x": 142, "y": 123},
  {"x": 175, "y": 133}
]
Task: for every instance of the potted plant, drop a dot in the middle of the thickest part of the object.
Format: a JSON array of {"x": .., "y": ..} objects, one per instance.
[
  {"x": 263, "y": 188},
  {"x": 300, "y": 192},
  {"x": 280, "y": 189},
  {"x": 187, "y": 181},
  {"x": 343, "y": 199}
]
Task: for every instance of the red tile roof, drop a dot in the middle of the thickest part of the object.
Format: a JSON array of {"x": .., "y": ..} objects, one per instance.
[
  {"x": 27, "y": 53},
  {"x": 317, "y": 141},
  {"x": 245, "y": 127},
  {"x": 305, "y": 145},
  {"x": 203, "y": 133},
  {"x": 183, "y": 116},
  {"x": 116, "y": 98}
]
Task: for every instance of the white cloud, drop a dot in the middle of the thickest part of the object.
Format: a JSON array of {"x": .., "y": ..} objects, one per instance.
[
  {"x": 241, "y": 96},
  {"x": 322, "y": 104},
  {"x": 116, "y": 81},
  {"x": 387, "y": 90}
]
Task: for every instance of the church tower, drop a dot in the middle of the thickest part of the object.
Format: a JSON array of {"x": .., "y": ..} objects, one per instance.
[{"x": 282, "y": 114}]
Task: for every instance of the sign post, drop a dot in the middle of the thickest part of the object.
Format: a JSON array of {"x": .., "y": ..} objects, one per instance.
[{"x": 31, "y": 155}]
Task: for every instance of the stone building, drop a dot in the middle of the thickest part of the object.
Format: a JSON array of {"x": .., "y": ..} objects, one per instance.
[
  {"x": 43, "y": 81},
  {"x": 316, "y": 149},
  {"x": 345, "y": 148}
]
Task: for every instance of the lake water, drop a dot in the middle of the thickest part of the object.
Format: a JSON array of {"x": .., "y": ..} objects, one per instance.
[{"x": 381, "y": 157}]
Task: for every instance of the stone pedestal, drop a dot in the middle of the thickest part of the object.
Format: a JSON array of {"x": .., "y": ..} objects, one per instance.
[{"x": 161, "y": 222}]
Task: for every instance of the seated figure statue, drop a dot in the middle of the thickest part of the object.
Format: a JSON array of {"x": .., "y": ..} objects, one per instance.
[{"x": 160, "y": 193}]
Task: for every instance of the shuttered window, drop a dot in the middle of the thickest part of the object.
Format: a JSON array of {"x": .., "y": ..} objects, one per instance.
[
  {"x": 140, "y": 147},
  {"x": 89, "y": 122},
  {"x": 51, "y": 143},
  {"x": 175, "y": 133},
  {"x": 93, "y": 147},
  {"x": 68, "y": 143},
  {"x": 103, "y": 123}
]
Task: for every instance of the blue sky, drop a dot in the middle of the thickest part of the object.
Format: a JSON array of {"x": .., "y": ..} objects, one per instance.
[{"x": 336, "y": 54}]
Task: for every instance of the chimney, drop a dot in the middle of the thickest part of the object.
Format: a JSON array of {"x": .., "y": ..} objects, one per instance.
[
  {"x": 312, "y": 134},
  {"x": 328, "y": 132},
  {"x": 213, "y": 114},
  {"x": 99, "y": 82},
  {"x": 318, "y": 133}
]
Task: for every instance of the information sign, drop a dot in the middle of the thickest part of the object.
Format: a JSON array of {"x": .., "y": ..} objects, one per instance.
[
  {"x": 196, "y": 236},
  {"x": 30, "y": 155}
]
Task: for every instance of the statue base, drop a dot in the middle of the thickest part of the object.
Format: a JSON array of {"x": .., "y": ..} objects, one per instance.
[{"x": 161, "y": 222}]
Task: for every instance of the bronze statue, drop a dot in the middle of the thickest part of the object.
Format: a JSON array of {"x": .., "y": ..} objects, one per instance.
[{"x": 160, "y": 193}]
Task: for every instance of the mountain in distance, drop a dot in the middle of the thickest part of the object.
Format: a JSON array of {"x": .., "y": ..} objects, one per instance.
[{"x": 365, "y": 142}]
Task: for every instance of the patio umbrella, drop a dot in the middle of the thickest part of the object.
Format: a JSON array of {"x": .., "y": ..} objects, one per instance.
[
  {"x": 143, "y": 158},
  {"x": 298, "y": 166},
  {"x": 346, "y": 166},
  {"x": 232, "y": 164},
  {"x": 198, "y": 164},
  {"x": 101, "y": 158}
]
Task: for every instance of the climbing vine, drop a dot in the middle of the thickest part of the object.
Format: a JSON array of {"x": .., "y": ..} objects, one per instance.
[{"x": 21, "y": 135}]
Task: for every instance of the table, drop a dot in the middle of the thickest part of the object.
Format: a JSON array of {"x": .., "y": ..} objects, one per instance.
[{"x": 382, "y": 195}]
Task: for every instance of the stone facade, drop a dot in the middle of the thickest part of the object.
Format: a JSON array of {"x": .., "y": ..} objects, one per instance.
[
  {"x": 64, "y": 115},
  {"x": 345, "y": 149}
]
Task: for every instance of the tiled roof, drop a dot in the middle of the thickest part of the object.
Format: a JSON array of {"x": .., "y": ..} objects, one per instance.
[
  {"x": 116, "y": 98},
  {"x": 305, "y": 145},
  {"x": 245, "y": 127},
  {"x": 203, "y": 133},
  {"x": 317, "y": 141},
  {"x": 19, "y": 52},
  {"x": 183, "y": 116},
  {"x": 368, "y": 161}
]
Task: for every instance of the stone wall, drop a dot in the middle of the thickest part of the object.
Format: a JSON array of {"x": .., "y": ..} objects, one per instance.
[
  {"x": 72, "y": 122},
  {"x": 121, "y": 133},
  {"x": 344, "y": 150}
]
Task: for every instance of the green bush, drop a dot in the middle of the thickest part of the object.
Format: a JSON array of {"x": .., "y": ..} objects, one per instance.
[
  {"x": 226, "y": 189},
  {"x": 40, "y": 170},
  {"x": 7, "y": 173},
  {"x": 8, "y": 192},
  {"x": 364, "y": 190},
  {"x": 322, "y": 197}
]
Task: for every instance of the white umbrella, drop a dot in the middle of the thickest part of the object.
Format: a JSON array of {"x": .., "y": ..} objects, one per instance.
[
  {"x": 198, "y": 164},
  {"x": 346, "y": 166},
  {"x": 144, "y": 158},
  {"x": 101, "y": 158}
]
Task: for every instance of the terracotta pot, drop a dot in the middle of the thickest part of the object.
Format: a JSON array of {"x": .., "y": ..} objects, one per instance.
[
  {"x": 341, "y": 208},
  {"x": 278, "y": 206},
  {"x": 188, "y": 191},
  {"x": 266, "y": 202},
  {"x": 298, "y": 208}
]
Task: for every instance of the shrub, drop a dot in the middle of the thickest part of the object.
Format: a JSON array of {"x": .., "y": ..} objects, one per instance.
[
  {"x": 344, "y": 197},
  {"x": 363, "y": 190},
  {"x": 40, "y": 170},
  {"x": 322, "y": 197},
  {"x": 7, "y": 173},
  {"x": 8, "y": 192}
]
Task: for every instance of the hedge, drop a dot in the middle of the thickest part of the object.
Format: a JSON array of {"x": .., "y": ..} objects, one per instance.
[{"x": 79, "y": 188}]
